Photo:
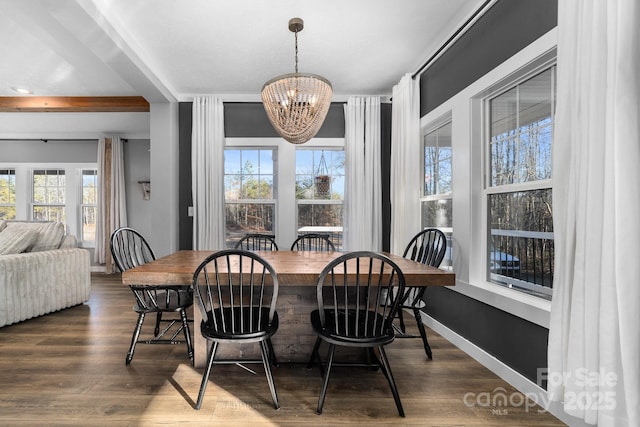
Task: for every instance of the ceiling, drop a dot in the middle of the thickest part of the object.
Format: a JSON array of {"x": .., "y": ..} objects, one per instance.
[{"x": 170, "y": 50}]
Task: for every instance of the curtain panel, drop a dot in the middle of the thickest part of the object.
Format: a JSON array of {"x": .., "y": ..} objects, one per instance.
[
  {"x": 594, "y": 343},
  {"x": 405, "y": 163},
  {"x": 363, "y": 181},
  {"x": 112, "y": 205},
  {"x": 207, "y": 173}
]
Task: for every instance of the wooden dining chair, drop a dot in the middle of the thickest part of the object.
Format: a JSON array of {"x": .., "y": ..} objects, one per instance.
[
  {"x": 257, "y": 242},
  {"x": 130, "y": 249},
  {"x": 427, "y": 247},
  {"x": 237, "y": 291},
  {"x": 313, "y": 242},
  {"x": 356, "y": 311}
]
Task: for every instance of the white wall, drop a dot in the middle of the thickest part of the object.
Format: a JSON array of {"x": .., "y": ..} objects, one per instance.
[
  {"x": 164, "y": 178},
  {"x": 137, "y": 167}
]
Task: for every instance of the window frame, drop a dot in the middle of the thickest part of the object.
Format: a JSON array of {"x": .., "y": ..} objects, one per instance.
[
  {"x": 336, "y": 236},
  {"x": 82, "y": 205},
  {"x": 35, "y": 203},
  {"x": 434, "y": 125},
  {"x": 510, "y": 82},
  {"x": 468, "y": 203},
  {"x": 267, "y": 202},
  {"x": 7, "y": 173}
]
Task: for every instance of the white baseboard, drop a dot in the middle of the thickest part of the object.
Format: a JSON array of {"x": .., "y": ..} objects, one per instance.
[{"x": 514, "y": 378}]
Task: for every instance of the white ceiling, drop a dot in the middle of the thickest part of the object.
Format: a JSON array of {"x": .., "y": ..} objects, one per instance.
[{"x": 168, "y": 50}]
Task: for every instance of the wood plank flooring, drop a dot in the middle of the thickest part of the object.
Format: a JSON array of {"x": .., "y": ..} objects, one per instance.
[{"x": 67, "y": 368}]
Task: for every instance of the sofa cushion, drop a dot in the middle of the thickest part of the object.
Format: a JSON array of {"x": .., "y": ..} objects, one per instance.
[
  {"x": 49, "y": 237},
  {"x": 3, "y": 224},
  {"x": 69, "y": 241},
  {"x": 49, "y": 234},
  {"x": 16, "y": 240}
]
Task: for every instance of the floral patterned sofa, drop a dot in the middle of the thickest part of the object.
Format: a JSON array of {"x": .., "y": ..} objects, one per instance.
[{"x": 41, "y": 270}]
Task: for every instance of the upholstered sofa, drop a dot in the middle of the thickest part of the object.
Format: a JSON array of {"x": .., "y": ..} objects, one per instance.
[{"x": 41, "y": 270}]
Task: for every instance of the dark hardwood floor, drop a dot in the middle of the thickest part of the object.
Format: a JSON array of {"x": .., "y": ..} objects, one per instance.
[{"x": 67, "y": 368}]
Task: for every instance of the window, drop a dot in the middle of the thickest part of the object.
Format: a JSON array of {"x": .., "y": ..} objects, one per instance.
[
  {"x": 320, "y": 192},
  {"x": 48, "y": 200},
  {"x": 89, "y": 206},
  {"x": 65, "y": 192},
  {"x": 7, "y": 193},
  {"x": 518, "y": 189},
  {"x": 436, "y": 197},
  {"x": 250, "y": 194}
]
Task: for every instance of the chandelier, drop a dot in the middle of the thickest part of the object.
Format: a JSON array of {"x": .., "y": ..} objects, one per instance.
[{"x": 297, "y": 103}]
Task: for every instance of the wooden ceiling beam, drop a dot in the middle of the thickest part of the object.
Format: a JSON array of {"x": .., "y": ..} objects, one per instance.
[{"x": 73, "y": 104}]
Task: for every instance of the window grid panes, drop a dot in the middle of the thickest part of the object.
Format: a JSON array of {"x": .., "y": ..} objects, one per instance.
[
  {"x": 320, "y": 192},
  {"x": 249, "y": 176},
  {"x": 436, "y": 202},
  {"x": 520, "y": 228},
  {"x": 89, "y": 206},
  {"x": 48, "y": 200},
  {"x": 521, "y": 132},
  {"x": 7, "y": 194}
]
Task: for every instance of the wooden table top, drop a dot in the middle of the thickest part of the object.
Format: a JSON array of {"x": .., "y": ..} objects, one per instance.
[{"x": 294, "y": 268}]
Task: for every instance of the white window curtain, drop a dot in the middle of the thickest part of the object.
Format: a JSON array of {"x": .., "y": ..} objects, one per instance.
[
  {"x": 405, "y": 163},
  {"x": 207, "y": 172},
  {"x": 112, "y": 204},
  {"x": 363, "y": 188},
  {"x": 594, "y": 343}
]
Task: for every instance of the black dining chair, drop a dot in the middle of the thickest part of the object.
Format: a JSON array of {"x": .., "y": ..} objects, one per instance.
[
  {"x": 130, "y": 249},
  {"x": 427, "y": 247},
  {"x": 257, "y": 242},
  {"x": 237, "y": 291},
  {"x": 312, "y": 242},
  {"x": 355, "y": 310}
]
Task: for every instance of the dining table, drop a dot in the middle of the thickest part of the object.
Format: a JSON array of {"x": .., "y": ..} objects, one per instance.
[{"x": 297, "y": 272}]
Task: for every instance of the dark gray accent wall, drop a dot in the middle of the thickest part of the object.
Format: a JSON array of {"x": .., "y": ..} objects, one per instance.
[
  {"x": 185, "y": 227},
  {"x": 249, "y": 120},
  {"x": 385, "y": 155},
  {"x": 514, "y": 341},
  {"x": 505, "y": 29}
]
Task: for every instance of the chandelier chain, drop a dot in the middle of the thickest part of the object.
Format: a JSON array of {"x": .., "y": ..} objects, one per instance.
[{"x": 296, "y": 37}]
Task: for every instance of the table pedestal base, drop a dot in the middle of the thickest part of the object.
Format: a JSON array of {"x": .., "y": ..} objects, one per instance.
[{"x": 292, "y": 343}]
